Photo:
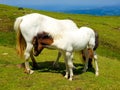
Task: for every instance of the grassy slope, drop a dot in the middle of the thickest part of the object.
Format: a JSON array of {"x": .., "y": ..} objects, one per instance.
[
  {"x": 46, "y": 78},
  {"x": 107, "y": 26}
]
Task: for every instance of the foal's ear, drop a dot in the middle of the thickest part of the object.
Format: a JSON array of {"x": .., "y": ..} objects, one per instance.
[
  {"x": 34, "y": 40},
  {"x": 43, "y": 35},
  {"x": 46, "y": 36}
]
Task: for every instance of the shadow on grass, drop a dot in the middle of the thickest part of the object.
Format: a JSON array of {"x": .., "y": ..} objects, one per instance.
[{"x": 47, "y": 66}]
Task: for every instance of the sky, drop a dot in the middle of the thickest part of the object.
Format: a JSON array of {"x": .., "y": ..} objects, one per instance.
[{"x": 60, "y": 3}]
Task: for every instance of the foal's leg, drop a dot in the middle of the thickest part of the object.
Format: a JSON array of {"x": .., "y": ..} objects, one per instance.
[
  {"x": 66, "y": 64},
  {"x": 55, "y": 64},
  {"x": 35, "y": 65},
  {"x": 90, "y": 58},
  {"x": 86, "y": 61},
  {"x": 96, "y": 64},
  {"x": 69, "y": 59},
  {"x": 27, "y": 55}
]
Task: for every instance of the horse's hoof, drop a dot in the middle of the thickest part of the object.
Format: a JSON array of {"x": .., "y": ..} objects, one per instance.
[
  {"x": 31, "y": 72},
  {"x": 55, "y": 65}
]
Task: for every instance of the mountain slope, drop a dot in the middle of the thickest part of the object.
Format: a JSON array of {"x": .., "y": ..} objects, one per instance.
[{"x": 107, "y": 26}]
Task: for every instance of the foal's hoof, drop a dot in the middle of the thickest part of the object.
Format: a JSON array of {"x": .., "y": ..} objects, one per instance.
[
  {"x": 84, "y": 70},
  {"x": 66, "y": 76},
  {"x": 70, "y": 79},
  {"x": 96, "y": 74}
]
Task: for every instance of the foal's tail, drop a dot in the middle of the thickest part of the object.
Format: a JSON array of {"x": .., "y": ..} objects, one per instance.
[
  {"x": 96, "y": 41},
  {"x": 90, "y": 51},
  {"x": 21, "y": 44}
]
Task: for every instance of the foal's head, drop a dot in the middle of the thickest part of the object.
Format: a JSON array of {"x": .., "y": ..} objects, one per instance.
[{"x": 40, "y": 41}]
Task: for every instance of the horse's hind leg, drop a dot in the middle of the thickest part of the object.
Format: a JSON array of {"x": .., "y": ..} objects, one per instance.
[
  {"x": 96, "y": 64},
  {"x": 27, "y": 55},
  {"x": 35, "y": 65}
]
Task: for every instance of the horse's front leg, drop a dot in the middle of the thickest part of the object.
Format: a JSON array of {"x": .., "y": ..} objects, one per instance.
[
  {"x": 27, "y": 55},
  {"x": 35, "y": 65},
  {"x": 55, "y": 64}
]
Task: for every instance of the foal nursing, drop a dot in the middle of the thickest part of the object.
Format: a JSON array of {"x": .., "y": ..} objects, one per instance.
[{"x": 67, "y": 42}]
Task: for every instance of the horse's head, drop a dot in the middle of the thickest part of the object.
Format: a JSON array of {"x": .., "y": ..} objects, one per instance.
[
  {"x": 35, "y": 46},
  {"x": 40, "y": 41}
]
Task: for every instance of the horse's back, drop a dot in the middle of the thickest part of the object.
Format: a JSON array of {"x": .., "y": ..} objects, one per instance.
[
  {"x": 68, "y": 24},
  {"x": 35, "y": 23}
]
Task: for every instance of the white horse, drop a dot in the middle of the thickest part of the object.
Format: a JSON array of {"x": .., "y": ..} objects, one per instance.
[
  {"x": 29, "y": 25},
  {"x": 69, "y": 41}
]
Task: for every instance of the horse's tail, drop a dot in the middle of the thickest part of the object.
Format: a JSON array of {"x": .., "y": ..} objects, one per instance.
[
  {"x": 21, "y": 44},
  {"x": 17, "y": 23},
  {"x": 96, "y": 41}
]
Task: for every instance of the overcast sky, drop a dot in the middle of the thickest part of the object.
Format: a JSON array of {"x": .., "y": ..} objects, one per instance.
[{"x": 65, "y": 3}]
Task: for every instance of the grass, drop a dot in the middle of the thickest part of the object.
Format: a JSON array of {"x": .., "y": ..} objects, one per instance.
[
  {"x": 48, "y": 78},
  {"x": 7, "y": 39}
]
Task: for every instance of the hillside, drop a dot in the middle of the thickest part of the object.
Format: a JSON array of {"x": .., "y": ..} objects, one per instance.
[
  {"x": 107, "y": 26},
  {"x": 48, "y": 78}
]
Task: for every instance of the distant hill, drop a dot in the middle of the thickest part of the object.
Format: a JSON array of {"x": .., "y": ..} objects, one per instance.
[
  {"x": 109, "y": 11},
  {"x": 93, "y": 10}
]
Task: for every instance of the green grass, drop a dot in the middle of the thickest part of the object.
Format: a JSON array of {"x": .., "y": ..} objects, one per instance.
[
  {"x": 48, "y": 78},
  {"x": 7, "y": 39}
]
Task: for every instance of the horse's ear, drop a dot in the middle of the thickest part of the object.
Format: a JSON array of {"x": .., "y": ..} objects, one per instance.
[{"x": 34, "y": 40}]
